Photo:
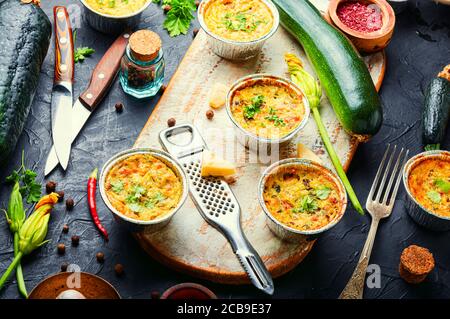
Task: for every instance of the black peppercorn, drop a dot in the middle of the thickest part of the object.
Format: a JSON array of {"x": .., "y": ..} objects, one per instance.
[
  {"x": 197, "y": 3},
  {"x": 210, "y": 114},
  {"x": 166, "y": 8},
  {"x": 194, "y": 32},
  {"x": 70, "y": 203},
  {"x": 171, "y": 122},
  {"x": 100, "y": 257},
  {"x": 50, "y": 187},
  {"x": 61, "y": 249},
  {"x": 66, "y": 229},
  {"x": 75, "y": 240},
  {"x": 118, "y": 268},
  {"x": 60, "y": 196},
  {"x": 163, "y": 87},
  {"x": 64, "y": 267},
  {"x": 119, "y": 107}
]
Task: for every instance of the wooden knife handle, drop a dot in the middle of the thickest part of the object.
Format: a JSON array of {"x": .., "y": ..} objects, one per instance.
[
  {"x": 104, "y": 73},
  {"x": 64, "y": 64}
]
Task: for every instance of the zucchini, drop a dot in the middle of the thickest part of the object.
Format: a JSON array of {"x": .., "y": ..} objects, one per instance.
[
  {"x": 339, "y": 67},
  {"x": 25, "y": 32},
  {"x": 436, "y": 112}
]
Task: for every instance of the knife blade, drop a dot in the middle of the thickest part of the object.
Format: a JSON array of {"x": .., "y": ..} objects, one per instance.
[
  {"x": 62, "y": 85},
  {"x": 102, "y": 77}
]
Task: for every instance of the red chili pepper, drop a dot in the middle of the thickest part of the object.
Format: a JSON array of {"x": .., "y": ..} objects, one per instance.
[{"x": 92, "y": 187}]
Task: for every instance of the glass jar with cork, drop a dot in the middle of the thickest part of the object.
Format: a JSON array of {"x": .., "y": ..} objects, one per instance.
[{"x": 142, "y": 66}]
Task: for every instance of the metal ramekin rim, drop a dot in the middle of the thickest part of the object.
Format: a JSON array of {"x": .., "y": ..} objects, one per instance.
[
  {"x": 269, "y": 3},
  {"x": 407, "y": 170},
  {"x": 287, "y": 82},
  {"x": 301, "y": 161},
  {"x": 145, "y": 6},
  {"x": 154, "y": 152}
]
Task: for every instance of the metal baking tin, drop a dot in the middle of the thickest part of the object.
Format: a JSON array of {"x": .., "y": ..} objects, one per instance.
[
  {"x": 109, "y": 24},
  {"x": 285, "y": 232},
  {"x": 135, "y": 225},
  {"x": 234, "y": 50},
  {"x": 418, "y": 213},
  {"x": 251, "y": 140}
]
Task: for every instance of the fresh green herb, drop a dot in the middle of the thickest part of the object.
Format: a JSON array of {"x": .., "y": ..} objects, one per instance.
[
  {"x": 111, "y": 3},
  {"x": 117, "y": 186},
  {"x": 251, "y": 110},
  {"x": 307, "y": 205},
  {"x": 323, "y": 193},
  {"x": 29, "y": 189},
  {"x": 274, "y": 118},
  {"x": 179, "y": 17},
  {"x": 137, "y": 192},
  {"x": 81, "y": 53},
  {"x": 313, "y": 92},
  {"x": 125, "y": 1},
  {"x": 239, "y": 22},
  {"x": 434, "y": 196},
  {"x": 432, "y": 147},
  {"x": 154, "y": 200},
  {"x": 443, "y": 185}
]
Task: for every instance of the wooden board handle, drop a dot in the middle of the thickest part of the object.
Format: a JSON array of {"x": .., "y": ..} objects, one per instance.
[
  {"x": 64, "y": 64},
  {"x": 104, "y": 73}
]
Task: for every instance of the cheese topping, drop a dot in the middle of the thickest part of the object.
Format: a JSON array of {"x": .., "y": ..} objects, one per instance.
[{"x": 116, "y": 8}]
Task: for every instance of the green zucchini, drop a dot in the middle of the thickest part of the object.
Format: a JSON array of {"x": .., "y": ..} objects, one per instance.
[
  {"x": 25, "y": 32},
  {"x": 339, "y": 67},
  {"x": 436, "y": 113}
]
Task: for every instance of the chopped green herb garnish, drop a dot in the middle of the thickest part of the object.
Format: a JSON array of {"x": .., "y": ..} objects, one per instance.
[
  {"x": 443, "y": 185},
  {"x": 434, "y": 196},
  {"x": 240, "y": 22},
  {"x": 111, "y": 3},
  {"x": 323, "y": 192},
  {"x": 276, "y": 120},
  {"x": 117, "y": 186},
  {"x": 137, "y": 192},
  {"x": 307, "y": 205},
  {"x": 251, "y": 110},
  {"x": 136, "y": 208}
]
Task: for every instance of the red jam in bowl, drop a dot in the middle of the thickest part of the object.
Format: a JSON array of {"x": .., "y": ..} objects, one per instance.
[{"x": 360, "y": 16}]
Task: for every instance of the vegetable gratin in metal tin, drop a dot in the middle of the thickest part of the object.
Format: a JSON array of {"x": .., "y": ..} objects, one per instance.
[
  {"x": 307, "y": 216},
  {"x": 142, "y": 203},
  {"x": 276, "y": 121},
  {"x": 241, "y": 21},
  {"x": 427, "y": 199}
]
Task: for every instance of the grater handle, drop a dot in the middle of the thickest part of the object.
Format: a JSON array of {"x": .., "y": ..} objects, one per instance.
[{"x": 251, "y": 262}]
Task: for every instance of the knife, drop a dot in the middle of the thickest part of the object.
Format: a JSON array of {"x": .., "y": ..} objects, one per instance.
[
  {"x": 102, "y": 78},
  {"x": 61, "y": 105}
]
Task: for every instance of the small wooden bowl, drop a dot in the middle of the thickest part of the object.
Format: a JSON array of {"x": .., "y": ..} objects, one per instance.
[
  {"x": 91, "y": 287},
  {"x": 188, "y": 291},
  {"x": 372, "y": 41}
]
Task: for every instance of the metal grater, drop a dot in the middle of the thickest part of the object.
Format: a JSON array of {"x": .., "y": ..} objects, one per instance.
[{"x": 215, "y": 200}]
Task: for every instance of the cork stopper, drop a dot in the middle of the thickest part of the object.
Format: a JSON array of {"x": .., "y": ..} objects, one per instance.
[{"x": 145, "y": 45}]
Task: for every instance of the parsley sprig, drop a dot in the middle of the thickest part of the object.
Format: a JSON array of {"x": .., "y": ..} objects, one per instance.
[
  {"x": 251, "y": 110},
  {"x": 277, "y": 121},
  {"x": 179, "y": 17},
  {"x": 29, "y": 188},
  {"x": 81, "y": 53},
  {"x": 240, "y": 22}
]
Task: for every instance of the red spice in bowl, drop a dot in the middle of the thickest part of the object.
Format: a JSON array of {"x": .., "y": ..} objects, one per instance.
[{"x": 360, "y": 16}]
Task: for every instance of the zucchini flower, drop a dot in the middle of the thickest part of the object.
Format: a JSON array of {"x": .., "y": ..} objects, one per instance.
[
  {"x": 15, "y": 215},
  {"x": 304, "y": 80},
  {"x": 32, "y": 233},
  {"x": 311, "y": 88}
]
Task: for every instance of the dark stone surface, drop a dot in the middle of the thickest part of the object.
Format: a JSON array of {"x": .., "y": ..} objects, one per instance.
[{"x": 420, "y": 47}]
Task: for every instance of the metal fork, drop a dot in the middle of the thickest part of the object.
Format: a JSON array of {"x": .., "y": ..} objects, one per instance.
[{"x": 378, "y": 210}]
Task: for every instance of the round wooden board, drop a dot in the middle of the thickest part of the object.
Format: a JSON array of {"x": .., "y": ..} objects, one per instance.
[{"x": 189, "y": 244}]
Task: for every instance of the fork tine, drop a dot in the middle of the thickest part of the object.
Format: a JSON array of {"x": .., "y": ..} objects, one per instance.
[
  {"x": 386, "y": 173},
  {"x": 375, "y": 181},
  {"x": 394, "y": 193},
  {"x": 393, "y": 174}
]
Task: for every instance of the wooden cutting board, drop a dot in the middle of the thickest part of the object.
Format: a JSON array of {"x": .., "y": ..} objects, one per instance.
[{"x": 188, "y": 244}]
